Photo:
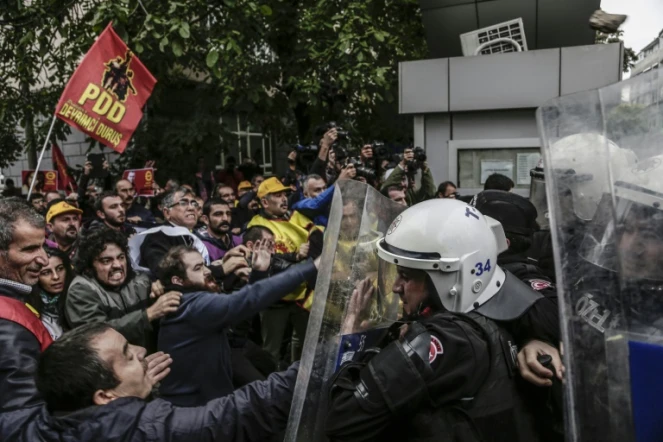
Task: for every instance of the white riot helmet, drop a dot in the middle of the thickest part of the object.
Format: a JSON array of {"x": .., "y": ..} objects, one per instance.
[
  {"x": 455, "y": 244},
  {"x": 574, "y": 159}
]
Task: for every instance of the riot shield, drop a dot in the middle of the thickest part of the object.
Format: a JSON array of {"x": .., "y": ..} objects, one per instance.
[
  {"x": 604, "y": 180},
  {"x": 358, "y": 219}
]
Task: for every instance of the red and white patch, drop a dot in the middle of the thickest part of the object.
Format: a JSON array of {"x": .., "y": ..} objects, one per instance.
[
  {"x": 539, "y": 284},
  {"x": 435, "y": 349}
]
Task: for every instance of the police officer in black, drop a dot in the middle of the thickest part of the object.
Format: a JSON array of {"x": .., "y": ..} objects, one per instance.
[
  {"x": 450, "y": 374},
  {"x": 518, "y": 218}
]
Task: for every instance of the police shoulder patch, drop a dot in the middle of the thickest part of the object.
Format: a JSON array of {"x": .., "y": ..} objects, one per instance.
[
  {"x": 540, "y": 284},
  {"x": 436, "y": 349}
]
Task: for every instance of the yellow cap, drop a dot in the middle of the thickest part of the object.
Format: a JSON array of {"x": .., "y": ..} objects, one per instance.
[
  {"x": 271, "y": 185},
  {"x": 245, "y": 185},
  {"x": 60, "y": 209}
]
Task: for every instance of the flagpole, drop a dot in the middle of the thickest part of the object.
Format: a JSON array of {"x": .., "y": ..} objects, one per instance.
[{"x": 41, "y": 156}]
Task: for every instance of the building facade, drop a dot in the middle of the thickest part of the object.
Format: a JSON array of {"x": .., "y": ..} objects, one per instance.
[{"x": 650, "y": 57}]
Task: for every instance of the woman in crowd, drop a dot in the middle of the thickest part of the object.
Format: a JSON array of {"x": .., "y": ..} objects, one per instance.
[{"x": 49, "y": 295}]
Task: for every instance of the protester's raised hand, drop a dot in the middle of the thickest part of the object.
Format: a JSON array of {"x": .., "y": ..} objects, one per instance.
[
  {"x": 134, "y": 219},
  {"x": 240, "y": 250},
  {"x": 243, "y": 273},
  {"x": 262, "y": 255},
  {"x": 358, "y": 306},
  {"x": 157, "y": 289},
  {"x": 233, "y": 263},
  {"x": 329, "y": 138},
  {"x": 164, "y": 305},
  {"x": 347, "y": 173},
  {"x": 157, "y": 367}
]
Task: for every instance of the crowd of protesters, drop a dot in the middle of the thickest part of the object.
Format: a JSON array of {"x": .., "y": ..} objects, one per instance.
[{"x": 207, "y": 285}]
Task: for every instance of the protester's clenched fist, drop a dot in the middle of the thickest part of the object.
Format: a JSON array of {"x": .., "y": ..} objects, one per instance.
[{"x": 166, "y": 304}]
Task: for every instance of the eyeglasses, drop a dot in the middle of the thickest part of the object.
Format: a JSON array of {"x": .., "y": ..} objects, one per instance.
[{"x": 186, "y": 203}]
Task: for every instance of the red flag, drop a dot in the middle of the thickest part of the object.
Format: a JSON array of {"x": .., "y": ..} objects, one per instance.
[
  {"x": 105, "y": 96},
  {"x": 60, "y": 163}
]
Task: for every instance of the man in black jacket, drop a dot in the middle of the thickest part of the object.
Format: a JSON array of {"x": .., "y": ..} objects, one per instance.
[
  {"x": 102, "y": 382},
  {"x": 22, "y": 335}
]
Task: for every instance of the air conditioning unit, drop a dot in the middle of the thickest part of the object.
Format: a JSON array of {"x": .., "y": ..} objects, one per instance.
[{"x": 508, "y": 36}]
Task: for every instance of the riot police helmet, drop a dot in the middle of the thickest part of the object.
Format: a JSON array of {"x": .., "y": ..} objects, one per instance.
[{"x": 455, "y": 245}]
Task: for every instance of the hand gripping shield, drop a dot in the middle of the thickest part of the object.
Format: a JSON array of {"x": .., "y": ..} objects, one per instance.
[
  {"x": 604, "y": 180},
  {"x": 358, "y": 218}
]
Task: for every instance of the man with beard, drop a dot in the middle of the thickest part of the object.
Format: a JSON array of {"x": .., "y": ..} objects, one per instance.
[
  {"x": 107, "y": 290},
  {"x": 22, "y": 335},
  {"x": 38, "y": 202},
  {"x": 110, "y": 214},
  {"x": 197, "y": 331},
  {"x": 218, "y": 238},
  {"x": 226, "y": 193},
  {"x": 135, "y": 212},
  {"x": 64, "y": 221}
]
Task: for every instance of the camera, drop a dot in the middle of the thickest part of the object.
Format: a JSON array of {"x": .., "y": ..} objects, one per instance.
[
  {"x": 362, "y": 171},
  {"x": 379, "y": 149},
  {"x": 306, "y": 153},
  {"x": 418, "y": 160},
  {"x": 341, "y": 134},
  {"x": 419, "y": 154},
  {"x": 307, "y": 148}
]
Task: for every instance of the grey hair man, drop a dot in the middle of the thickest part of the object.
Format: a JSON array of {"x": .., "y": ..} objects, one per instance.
[{"x": 22, "y": 335}]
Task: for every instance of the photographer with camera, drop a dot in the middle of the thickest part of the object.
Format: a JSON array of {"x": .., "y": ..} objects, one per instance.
[
  {"x": 404, "y": 174},
  {"x": 331, "y": 160}
]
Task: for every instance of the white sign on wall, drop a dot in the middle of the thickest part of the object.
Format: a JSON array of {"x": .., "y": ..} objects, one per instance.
[{"x": 489, "y": 167}]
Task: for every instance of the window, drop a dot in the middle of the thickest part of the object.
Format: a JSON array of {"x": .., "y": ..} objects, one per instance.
[
  {"x": 472, "y": 161},
  {"x": 250, "y": 143}
]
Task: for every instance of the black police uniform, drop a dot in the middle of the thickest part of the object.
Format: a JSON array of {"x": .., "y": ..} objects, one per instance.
[
  {"x": 451, "y": 378},
  {"x": 541, "y": 321}
]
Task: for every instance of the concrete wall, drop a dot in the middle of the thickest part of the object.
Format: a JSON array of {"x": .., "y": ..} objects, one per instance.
[
  {"x": 493, "y": 97},
  {"x": 505, "y": 81}
]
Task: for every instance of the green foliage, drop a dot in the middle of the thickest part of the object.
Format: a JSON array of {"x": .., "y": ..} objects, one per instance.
[
  {"x": 630, "y": 57},
  {"x": 288, "y": 65}
]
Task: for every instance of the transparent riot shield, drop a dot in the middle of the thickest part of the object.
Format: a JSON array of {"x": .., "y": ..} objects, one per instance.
[
  {"x": 603, "y": 160},
  {"x": 358, "y": 219}
]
